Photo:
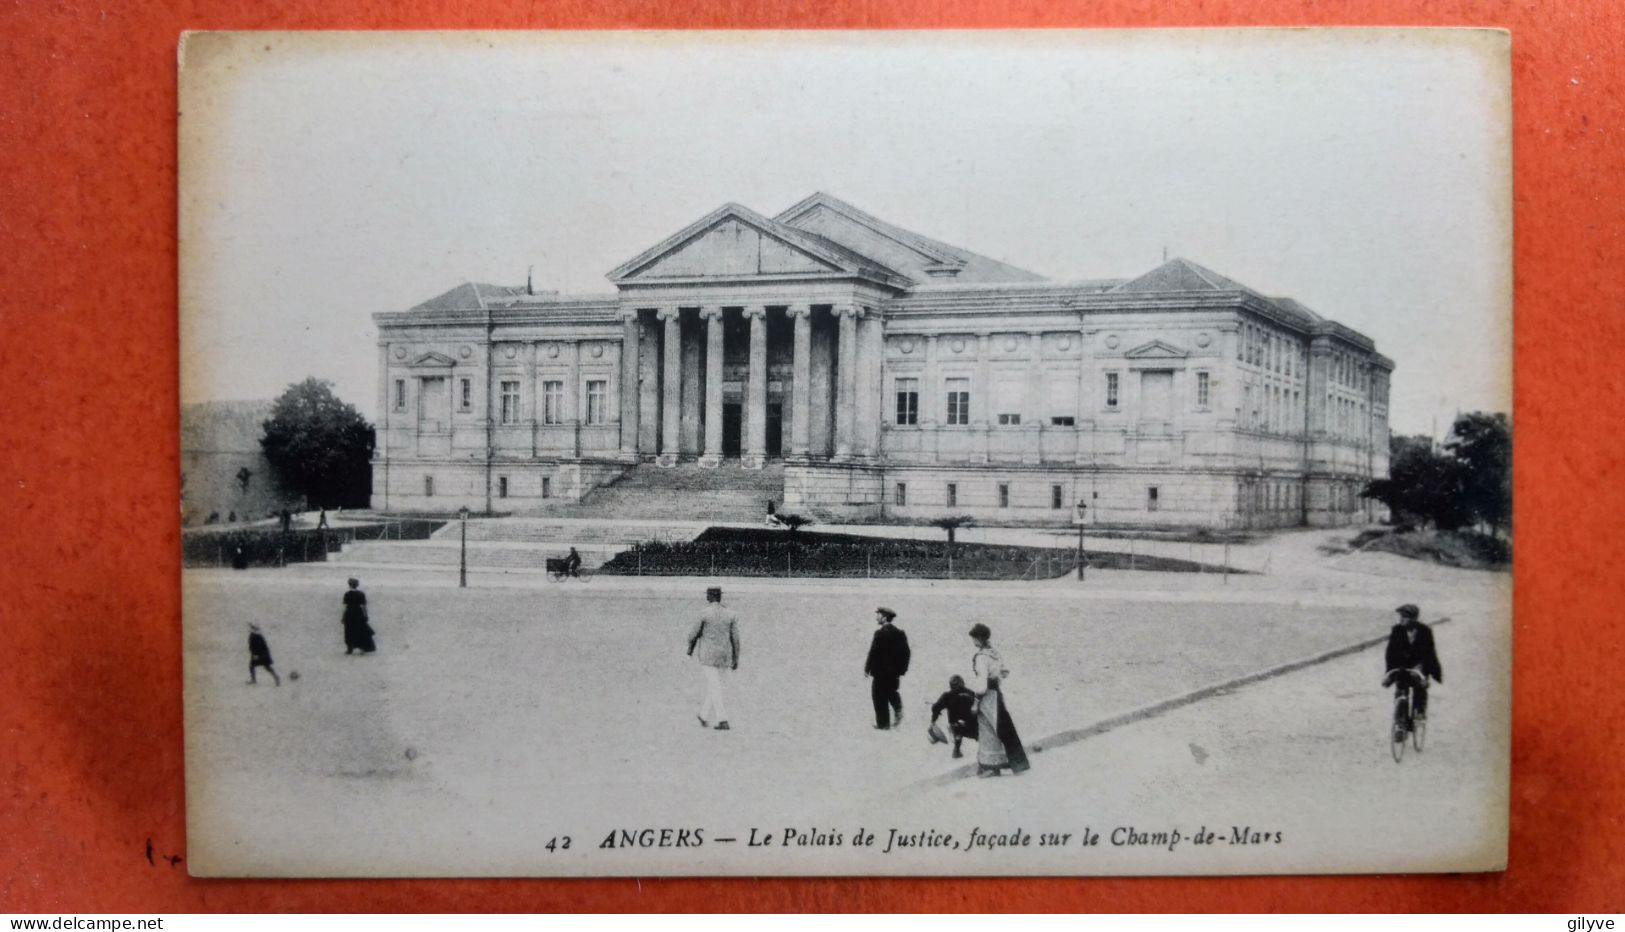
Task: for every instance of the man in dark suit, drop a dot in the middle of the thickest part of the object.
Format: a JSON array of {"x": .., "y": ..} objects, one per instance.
[
  {"x": 888, "y": 661},
  {"x": 1410, "y": 648}
]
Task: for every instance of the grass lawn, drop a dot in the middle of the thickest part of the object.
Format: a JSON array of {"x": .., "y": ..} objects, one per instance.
[{"x": 727, "y": 551}]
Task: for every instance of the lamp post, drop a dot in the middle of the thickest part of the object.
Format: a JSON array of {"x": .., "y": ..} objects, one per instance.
[
  {"x": 462, "y": 565},
  {"x": 1078, "y": 516}
]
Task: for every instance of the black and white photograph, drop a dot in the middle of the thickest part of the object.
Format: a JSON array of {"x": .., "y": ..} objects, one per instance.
[{"x": 846, "y": 453}]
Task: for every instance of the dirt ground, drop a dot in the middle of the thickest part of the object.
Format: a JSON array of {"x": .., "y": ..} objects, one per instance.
[{"x": 494, "y": 721}]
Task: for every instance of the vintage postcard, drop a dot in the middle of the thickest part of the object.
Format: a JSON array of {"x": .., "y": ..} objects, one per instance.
[{"x": 843, "y": 453}]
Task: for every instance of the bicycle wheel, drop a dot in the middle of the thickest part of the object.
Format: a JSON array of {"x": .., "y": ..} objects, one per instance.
[{"x": 1396, "y": 731}]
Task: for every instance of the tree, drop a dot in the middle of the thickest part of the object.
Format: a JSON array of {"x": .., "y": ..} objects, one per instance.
[
  {"x": 1482, "y": 444},
  {"x": 320, "y": 446},
  {"x": 1469, "y": 481},
  {"x": 1423, "y": 485},
  {"x": 952, "y": 523}
]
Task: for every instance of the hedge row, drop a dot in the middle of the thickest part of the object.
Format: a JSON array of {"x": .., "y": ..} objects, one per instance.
[
  {"x": 261, "y": 546},
  {"x": 752, "y": 552}
]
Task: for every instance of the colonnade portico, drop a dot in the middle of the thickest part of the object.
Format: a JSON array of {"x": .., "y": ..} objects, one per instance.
[{"x": 846, "y": 366}]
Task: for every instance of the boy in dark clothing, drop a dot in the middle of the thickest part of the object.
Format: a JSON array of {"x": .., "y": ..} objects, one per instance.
[
  {"x": 259, "y": 655},
  {"x": 960, "y": 704}
]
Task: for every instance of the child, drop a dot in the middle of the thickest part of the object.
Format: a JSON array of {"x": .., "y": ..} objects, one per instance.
[
  {"x": 259, "y": 655},
  {"x": 960, "y": 704}
]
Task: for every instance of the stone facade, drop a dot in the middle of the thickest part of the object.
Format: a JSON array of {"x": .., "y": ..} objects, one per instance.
[
  {"x": 895, "y": 376},
  {"x": 223, "y": 470}
]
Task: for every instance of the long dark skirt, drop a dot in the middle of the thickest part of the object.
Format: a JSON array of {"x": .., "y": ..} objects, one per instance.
[
  {"x": 998, "y": 744},
  {"x": 357, "y": 633}
]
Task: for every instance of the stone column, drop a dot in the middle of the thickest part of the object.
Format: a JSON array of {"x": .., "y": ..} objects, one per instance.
[
  {"x": 931, "y": 403},
  {"x": 693, "y": 342},
  {"x": 574, "y": 403},
  {"x": 713, "y": 387},
  {"x": 982, "y": 396},
  {"x": 671, "y": 385},
  {"x": 533, "y": 388},
  {"x": 1032, "y": 415},
  {"x": 1320, "y": 380},
  {"x": 1087, "y": 399},
  {"x": 801, "y": 376},
  {"x": 865, "y": 390},
  {"x": 630, "y": 394},
  {"x": 755, "y": 454},
  {"x": 846, "y": 362}
]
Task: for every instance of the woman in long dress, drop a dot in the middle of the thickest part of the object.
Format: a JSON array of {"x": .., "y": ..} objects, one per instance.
[
  {"x": 357, "y": 632},
  {"x": 997, "y": 745}
]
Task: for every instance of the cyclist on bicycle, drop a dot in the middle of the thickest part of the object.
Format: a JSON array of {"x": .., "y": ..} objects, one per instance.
[{"x": 1411, "y": 658}]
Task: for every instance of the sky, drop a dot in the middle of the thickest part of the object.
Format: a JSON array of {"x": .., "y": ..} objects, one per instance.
[{"x": 326, "y": 177}]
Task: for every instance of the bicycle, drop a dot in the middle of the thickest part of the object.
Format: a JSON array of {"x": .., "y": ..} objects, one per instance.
[
  {"x": 1406, "y": 725},
  {"x": 558, "y": 570}
]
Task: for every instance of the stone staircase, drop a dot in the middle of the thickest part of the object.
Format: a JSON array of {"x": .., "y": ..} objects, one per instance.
[
  {"x": 647, "y": 503},
  {"x": 686, "y": 492}
]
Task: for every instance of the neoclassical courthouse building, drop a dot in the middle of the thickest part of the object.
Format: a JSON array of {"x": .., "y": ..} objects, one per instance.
[{"x": 884, "y": 375}]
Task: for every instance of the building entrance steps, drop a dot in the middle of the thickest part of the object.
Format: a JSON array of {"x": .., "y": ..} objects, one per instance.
[{"x": 685, "y": 492}]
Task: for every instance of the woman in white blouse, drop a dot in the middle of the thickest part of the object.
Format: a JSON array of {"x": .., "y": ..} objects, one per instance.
[{"x": 997, "y": 744}]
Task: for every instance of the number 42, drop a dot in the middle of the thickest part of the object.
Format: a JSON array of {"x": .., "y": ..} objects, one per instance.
[{"x": 558, "y": 843}]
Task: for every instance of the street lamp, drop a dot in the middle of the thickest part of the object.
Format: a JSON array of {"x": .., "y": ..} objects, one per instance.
[
  {"x": 1078, "y": 519},
  {"x": 462, "y": 566}
]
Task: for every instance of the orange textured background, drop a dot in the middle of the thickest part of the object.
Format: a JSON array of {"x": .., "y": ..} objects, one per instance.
[{"x": 90, "y": 712}]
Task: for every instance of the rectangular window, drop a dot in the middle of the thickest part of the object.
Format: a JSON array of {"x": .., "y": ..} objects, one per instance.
[
  {"x": 547, "y": 487},
  {"x": 400, "y": 394},
  {"x": 1151, "y": 498},
  {"x": 1063, "y": 420},
  {"x": 1008, "y": 419},
  {"x": 502, "y": 486},
  {"x": 510, "y": 402},
  {"x": 901, "y": 497},
  {"x": 958, "y": 395},
  {"x": 597, "y": 401},
  {"x": 1004, "y": 495},
  {"x": 1202, "y": 391},
  {"x": 428, "y": 487},
  {"x": 908, "y": 402},
  {"x": 1111, "y": 389},
  {"x": 953, "y": 495},
  {"x": 552, "y": 402},
  {"x": 1055, "y": 499},
  {"x": 465, "y": 394}
]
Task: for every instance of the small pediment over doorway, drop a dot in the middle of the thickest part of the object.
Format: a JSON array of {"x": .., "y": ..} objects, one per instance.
[
  {"x": 432, "y": 360},
  {"x": 1156, "y": 349}
]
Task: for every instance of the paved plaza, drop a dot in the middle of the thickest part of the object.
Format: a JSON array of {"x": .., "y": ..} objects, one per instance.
[{"x": 497, "y": 718}]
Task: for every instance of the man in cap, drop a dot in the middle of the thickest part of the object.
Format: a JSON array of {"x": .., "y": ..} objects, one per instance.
[
  {"x": 714, "y": 641},
  {"x": 1410, "y": 649},
  {"x": 887, "y": 663}
]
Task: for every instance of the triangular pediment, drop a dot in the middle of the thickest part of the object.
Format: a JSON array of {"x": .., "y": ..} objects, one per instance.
[
  {"x": 731, "y": 243},
  {"x": 432, "y": 360},
  {"x": 1178, "y": 275},
  {"x": 908, "y": 253},
  {"x": 1156, "y": 349}
]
